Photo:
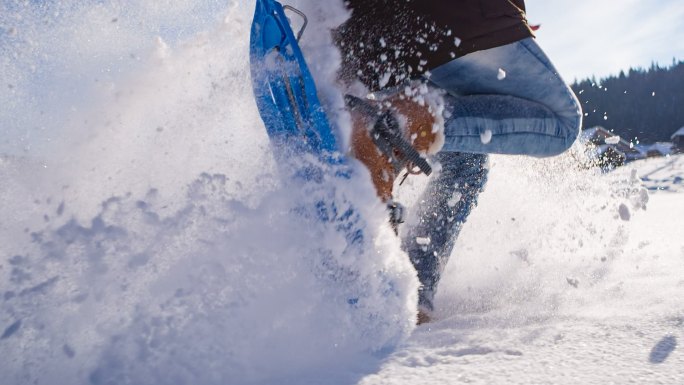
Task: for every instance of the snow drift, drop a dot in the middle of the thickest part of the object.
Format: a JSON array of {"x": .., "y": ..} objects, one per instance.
[{"x": 151, "y": 240}]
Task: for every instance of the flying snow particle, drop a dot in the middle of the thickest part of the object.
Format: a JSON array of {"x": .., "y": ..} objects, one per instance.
[
  {"x": 501, "y": 75},
  {"x": 454, "y": 199},
  {"x": 423, "y": 241},
  {"x": 161, "y": 48},
  {"x": 639, "y": 201},
  {"x": 486, "y": 136},
  {"x": 457, "y": 42},
  {"x": 423, "y": 89},
  {"x": 613, "y": 139},
  {"x": 384, "y": 79},
  {"x": 624, "y": 212}
]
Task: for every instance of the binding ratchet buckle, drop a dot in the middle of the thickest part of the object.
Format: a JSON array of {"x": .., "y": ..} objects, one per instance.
[{"x": 387, "y": 136}]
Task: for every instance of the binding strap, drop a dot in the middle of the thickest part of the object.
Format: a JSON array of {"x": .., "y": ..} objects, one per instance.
[{"x": 387, "y": 136}]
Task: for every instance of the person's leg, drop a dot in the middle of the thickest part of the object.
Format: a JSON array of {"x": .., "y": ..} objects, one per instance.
[
  {"x": 441, "y": 212},
  {"x": 507, "y": 100}
]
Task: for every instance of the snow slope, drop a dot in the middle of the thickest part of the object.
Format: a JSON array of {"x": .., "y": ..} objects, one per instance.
[{"x": 146, "y": 237}]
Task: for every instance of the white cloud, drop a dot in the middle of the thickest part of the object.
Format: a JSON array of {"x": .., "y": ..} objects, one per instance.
[{"x": 588, "y": 37}]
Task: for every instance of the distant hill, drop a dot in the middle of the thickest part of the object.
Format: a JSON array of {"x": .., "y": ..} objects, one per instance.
[{"x": 646, "y": 105}]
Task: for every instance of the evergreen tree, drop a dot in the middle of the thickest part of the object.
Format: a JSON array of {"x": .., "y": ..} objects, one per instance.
[{"x": 644, "y": 105}]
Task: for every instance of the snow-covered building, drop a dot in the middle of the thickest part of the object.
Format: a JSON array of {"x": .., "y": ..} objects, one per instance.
[
  {"x": 678, "y": 141},
  {"x": 658, "y": 149},
  {"x": 611, "y": 144}
]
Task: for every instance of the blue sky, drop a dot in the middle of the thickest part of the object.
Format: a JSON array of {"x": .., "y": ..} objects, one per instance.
[{"x": 602, "y": 37}]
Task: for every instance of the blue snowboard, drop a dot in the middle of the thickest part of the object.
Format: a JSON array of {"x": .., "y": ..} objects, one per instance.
[
  {"x": 296, "y": 123},
  {"x": 284, "y": 88},
  {"x": 286, "y": 97}
]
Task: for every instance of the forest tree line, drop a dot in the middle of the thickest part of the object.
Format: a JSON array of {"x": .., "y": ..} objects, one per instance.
[{"x": 644, "y": 105}]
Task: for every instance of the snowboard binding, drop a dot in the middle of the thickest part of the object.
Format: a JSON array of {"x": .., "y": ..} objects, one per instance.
[
  {"x": 394, "y": 134},
  {"x": 388, "y": 136},
  {"x": 389, "y": 139}
]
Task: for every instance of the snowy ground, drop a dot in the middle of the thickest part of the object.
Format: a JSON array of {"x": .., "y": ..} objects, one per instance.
[
  {"x": 623, "y": 323},
  {"x": 146, "y": 237}
]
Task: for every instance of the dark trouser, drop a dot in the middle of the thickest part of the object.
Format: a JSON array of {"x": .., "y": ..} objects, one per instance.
[{"x": 442, "y": 210}]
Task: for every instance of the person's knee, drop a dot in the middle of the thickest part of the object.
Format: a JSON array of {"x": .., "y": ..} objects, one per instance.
[
  {"x": 569, "y": 118},
  {"x": 570, "y": 127},
  {"x": 573, "y": 127}
]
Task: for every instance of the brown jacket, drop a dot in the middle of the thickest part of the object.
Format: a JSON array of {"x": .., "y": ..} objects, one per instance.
[{"x": 387, "y": 41}]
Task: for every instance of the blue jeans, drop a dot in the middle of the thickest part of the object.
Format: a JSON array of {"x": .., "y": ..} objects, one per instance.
[{"x": 504, "y": 100}]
